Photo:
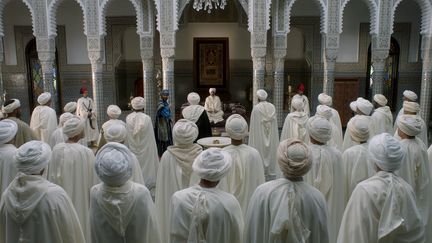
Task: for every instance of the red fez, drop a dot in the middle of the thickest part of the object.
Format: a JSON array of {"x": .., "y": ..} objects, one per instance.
[
  {"x": 83, "y": 89},
  {"x": 301, "y": 87}
]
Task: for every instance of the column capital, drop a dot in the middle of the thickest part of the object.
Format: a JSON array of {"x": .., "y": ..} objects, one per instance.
[{"x": 258, "y": 52}]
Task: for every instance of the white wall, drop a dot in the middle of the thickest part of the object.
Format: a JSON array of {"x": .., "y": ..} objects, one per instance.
[
  {"x": 70, "y": 15},
  {"x": 239, "y": 39},
  {"x": 408, "y": 11},
  {"x": 16, "y": 13}
]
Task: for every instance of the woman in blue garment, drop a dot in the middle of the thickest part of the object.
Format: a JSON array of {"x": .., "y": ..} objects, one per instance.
[{"x": 163, "y": 124}]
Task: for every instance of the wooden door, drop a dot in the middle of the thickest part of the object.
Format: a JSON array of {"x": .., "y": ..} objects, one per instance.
[{"x": 345, "y": 91}]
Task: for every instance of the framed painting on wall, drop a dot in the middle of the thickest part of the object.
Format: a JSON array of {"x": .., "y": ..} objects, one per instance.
[{"x": 211, "y": 62}]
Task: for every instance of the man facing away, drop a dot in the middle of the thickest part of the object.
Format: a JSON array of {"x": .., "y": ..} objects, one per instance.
[
  {"x": 44, "y": 118},
  {"x": 33, "y": 209},
  {"x": 8, "y": 170},
  {"x": 196, "y": 113}
]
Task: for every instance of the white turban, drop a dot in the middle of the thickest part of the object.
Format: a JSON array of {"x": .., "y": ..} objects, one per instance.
[
  {"x": 8, "y": 130},
  {"x": 184, "y": 132},
  {"x": 380, "y": 99},
  {"x": 297, "y": 104},
  {"x": 386, "y": 152},
  {"x": 262, "y": 94},
  {"x": 212, "y": 90},
  {"x": 64, "y": 117},
  {"x": 411, "y": 125},
  {"x": 32, "y": 157},
  {"x": 324, "y": 111},
  {"x": 138, "y": 103},
  {"x": 115, "y": 133},
  {"x": 113, "y": 111},
  {"x": 212, "y": 164},
  {"x": 325, "y": 99},
  {"x": 73, "y": 127},
  {"x": 12, "y": 106},
  {"x": 410, "y": 95},
  {"x": 193, "y": 98},
  {"x": 319, "y": 129},
  {"x": 294, "y": 158},
  {"x": 236, "y": 127},
  {"x": 44, "y": 98},
  {"x": 353, "y": 106},
  {"x": 358, "y": 128},
  {"x": 410, "y": 106},
  {"x": 113, "y": 164},
  {"x": 70, "y": 107},
  {"x": 364, "y": 106}
]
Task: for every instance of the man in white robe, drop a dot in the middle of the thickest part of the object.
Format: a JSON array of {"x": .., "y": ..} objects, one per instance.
[
  {"x": 295, "y": 122},
  {"x": 407, "y": 95},
  {"x": 120, "y": 210},
  {"x": 247, "y": 171},
  {"x": 44, "y": 118},
  {"x": 413, "y": 108},
  {"x": 383, "y": 207},
  {"x": 264, "y": 135},
  {"x": 70, "y": 107},
  {"x": 355, "y": 162},
  {"x": 175, "y": 170},
  {"x": 113, "y": 113},
  {"x": 213, "y": 106},
  {"x": 195, "y": 113},
  {"x": 300, "y": 95},
  {"x": 85, "y": 110},
  {"x": 415, "y": 168},
  {"x": 8, "y": 170},
  {"x": 363, "y": 108},
  {"x": 203, "y": 213},
  {"x": 141, "y": 141},
  {"x": 33, "y": 209},
  {"x": 12, "y": 110},
  {"x": 57, "y": 135},
  {"x": 72, "y": 167},
  {"x": 326, "y": 173},
  {"x": 288, "y": 209},
  {"x": 327, "y": 100},
  {"x": 336, "y": 139},
  {"x": 382, "y": 117}
]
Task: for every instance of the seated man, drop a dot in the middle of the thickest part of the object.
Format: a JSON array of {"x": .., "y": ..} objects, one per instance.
[{"x": 213, "y": 106}]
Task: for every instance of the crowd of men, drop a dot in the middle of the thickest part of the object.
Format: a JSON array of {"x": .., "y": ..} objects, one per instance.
[{"x": 132, "y": 181}]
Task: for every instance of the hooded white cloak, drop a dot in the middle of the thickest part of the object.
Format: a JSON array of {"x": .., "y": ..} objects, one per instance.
[
  {"x": 347, "y": 141},
  {"x": 282, "y": 211},
  {"x": 381, "y": 121},
  {"x": 205, "y": 215},
  {"x": 43, "y": 122},
  {"x": 34, "y": 210},
  {"x": 264, "y": 136},
  {"x": 295, "y": 127},
  {"x": 8, "y": 169},
  {"x": 123, "y": 214},
  {"x": 305, "y": 101},
  {"x": 382, "y": 209}
]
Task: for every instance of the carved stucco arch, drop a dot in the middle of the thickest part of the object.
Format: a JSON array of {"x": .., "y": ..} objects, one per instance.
[
  {"x": 183, "y": 3},
  {"x": 323, "y": 14},
  {"x": 373, "y": 15},
  {"x": 52, "y": 16},
  {"x": 144, "y": 10},
  {"x": 426, "y": 16},
  {"x": 3, "y": 4}
]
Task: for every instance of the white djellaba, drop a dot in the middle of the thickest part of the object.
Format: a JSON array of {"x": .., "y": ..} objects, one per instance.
[
  {"x": 213, "y": 106},
  {"x": 120, "y": 210},
  {"x": 326, "y": 173},
  {"x": 264, "y": 135},
  {"x": 141, "y": 141},
  {"x": 247, "y": 171},
  {"x": 413, "y": 108},
  {"x": 327, "y": 100},
  {"x": 355, "y": 162},
  {"x": 382, "y": 117},
  {"x": 203, "y": 213},
  {"x": 33, "y": 209},
  {"x": 58, "y": 135},
  {"x": 44, "y": 118},
  {"x": 383, "y": 207},
  {"x": 85, "y": 109},
  {"x": 113, "y": 113},
  {"x": 288, "y": 210},
  {"x": 415, "y": 167},
  {"x": 336, "y": 139},
  {"x": 8, "y": 170},
  {"x": 361, "y": 107},
  {"x": 295, "y": 122},
  {"x": 72, "y": 168},
  {"x": 175, "y": 170},
  {"x": 407, "y": 95}
]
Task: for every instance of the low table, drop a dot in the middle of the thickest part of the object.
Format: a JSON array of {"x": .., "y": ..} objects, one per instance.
[{"x": 214, "y": 142}]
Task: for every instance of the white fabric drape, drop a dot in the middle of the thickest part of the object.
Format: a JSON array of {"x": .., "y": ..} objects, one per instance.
[
  {"x": 295, "y": 127},
  {"x": 84, "y": 104},
  {"x": 43, "y": 122},
  {"x": 213, "y": 106},
  {"x": 381, "y": 121},
  {"x": 8, "y": 169}
]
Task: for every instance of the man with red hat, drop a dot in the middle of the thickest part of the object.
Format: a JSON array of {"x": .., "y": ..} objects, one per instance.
[
  {"x": 300, "y": 95},
  {"x": 85, "y": 110}
]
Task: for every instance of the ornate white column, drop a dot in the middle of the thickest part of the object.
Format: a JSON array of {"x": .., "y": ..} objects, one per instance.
[
  {"x": 168, "y": 75},
  {"x": 46, "y": 54},
  {"x": 2, "y": 90},
  {"x": 329, "y": 70},
  {"x": 278, "y": 89},
  {"x": 258, "y": 59},
  {"x": 380, "y": 50},
  {"x": 96, "y": 54},
  {"x": 426, "y": 86},
  {"x": 148, "y": 74}
]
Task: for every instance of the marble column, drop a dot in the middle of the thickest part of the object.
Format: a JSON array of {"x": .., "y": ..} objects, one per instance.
[
  {"x": 168, "y": 76},
  {"x": 2, "y": 89},
  {"x": 148, "y": 75},
  {"x": 426, "y": 87},
  {"x": 258, "y": 59},
  {"x": 278, "y": 89},
  {"x": 378, "y": 76},
  {"x": 46, "y": 54},
  {"x": 329, "y": 71},
  {"x": 97, "y": 87}
]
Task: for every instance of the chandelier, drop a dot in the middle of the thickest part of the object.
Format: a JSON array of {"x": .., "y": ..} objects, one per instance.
[{"x": 207, "y": 5}]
